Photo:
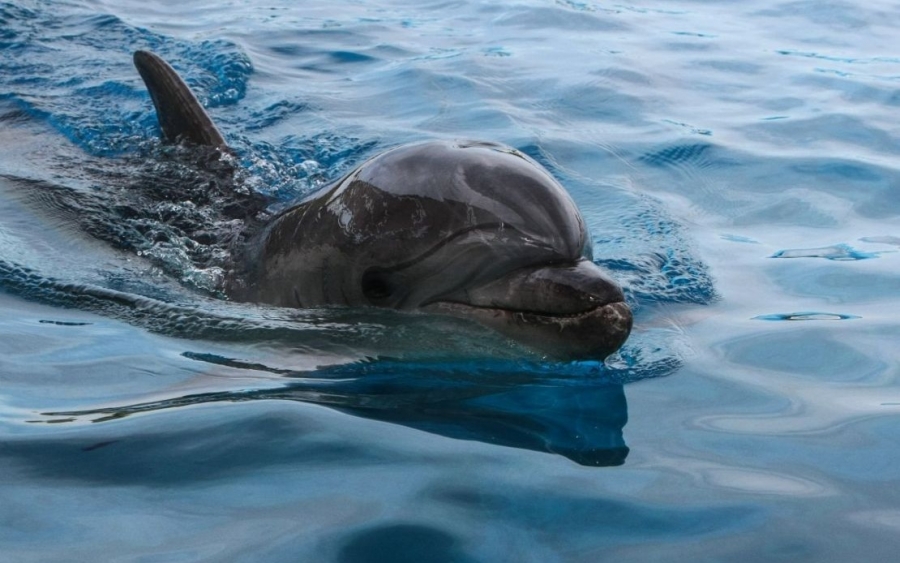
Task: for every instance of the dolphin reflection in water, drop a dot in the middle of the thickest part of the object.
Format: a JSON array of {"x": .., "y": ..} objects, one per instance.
[{"x": 582, "y": 421}]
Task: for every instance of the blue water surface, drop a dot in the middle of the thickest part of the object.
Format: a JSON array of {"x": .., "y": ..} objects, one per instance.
[{"x": 737, "y": 164}]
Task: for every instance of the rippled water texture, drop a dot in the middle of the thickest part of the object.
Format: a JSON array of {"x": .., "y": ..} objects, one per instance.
[{"x": 737, "y": 164}]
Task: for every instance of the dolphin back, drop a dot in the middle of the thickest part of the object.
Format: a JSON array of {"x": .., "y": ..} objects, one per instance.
[{"x": 180, "y": 115}]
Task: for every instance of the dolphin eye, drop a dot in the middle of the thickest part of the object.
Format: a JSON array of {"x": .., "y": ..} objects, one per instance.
[{"x": 375, "y": 285}]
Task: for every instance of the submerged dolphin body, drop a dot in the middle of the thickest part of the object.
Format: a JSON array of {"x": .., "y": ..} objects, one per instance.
[{"x": 471, "y": 229}]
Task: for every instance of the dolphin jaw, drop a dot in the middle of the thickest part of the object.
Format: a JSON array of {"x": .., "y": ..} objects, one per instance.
[
  {"x": 594, "y": 333},
  {"x": 568, "y": 309}
]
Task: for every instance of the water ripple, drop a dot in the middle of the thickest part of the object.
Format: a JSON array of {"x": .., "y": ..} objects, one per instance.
[{"x": 837, "y": 252}]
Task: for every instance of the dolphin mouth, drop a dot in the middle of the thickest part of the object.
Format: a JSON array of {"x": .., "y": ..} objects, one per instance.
[
  {"x": 568, "y": 311},
  {"x": 592, "y": 334},
  {"x": 526, "y": 315}
]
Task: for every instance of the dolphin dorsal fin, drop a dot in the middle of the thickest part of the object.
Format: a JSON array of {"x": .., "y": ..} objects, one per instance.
[{"x": 180, "y": 115}]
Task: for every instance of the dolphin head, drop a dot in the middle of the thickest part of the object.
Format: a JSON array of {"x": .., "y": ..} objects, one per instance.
[{"x": 470, "y": 229}]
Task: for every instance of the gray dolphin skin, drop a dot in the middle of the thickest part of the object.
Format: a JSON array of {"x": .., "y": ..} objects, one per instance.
[{"x": 475, "y": 230}]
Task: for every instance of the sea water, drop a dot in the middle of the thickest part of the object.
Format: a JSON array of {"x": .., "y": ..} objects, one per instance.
[{"x": 737, "y": 164}]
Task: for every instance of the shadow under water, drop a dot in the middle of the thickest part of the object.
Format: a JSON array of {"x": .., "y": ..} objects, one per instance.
[{"x": 582, "y": 420}]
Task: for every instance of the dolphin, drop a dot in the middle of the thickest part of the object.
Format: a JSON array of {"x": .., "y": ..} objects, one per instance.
[{"x": 471, "y": 229}]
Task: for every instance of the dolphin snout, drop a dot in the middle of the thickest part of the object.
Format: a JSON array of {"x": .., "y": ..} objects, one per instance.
[
  {"x": 550, "y": 289},
  {"x": 568, "y": 310}
]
